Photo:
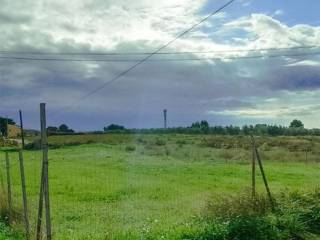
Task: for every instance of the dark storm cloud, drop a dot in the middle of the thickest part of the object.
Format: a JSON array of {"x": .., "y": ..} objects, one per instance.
[
  {"x": 295, "y": 78},
  {"x": 188, "y": 89}
]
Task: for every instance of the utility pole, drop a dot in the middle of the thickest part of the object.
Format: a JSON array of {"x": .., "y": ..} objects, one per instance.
[{"x": 165, "y": 118}]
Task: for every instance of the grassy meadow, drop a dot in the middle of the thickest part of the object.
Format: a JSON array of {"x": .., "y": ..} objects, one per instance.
[{"x": 121, "y": 186}]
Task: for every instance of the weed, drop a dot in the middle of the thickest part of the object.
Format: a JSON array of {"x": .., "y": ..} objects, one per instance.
[{"x": 130, "y": 148}]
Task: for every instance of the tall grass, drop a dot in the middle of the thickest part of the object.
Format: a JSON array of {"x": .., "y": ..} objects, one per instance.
[
  {"x": 296, "y": 216},
  {"x": 4, "y": 210},
  {"x": 7, "y": 232},
  {"x": 120, "y": 186}
]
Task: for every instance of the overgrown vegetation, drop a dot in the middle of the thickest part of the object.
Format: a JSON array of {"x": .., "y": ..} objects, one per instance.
[
  {"x": 157, "y": 186},
  {"x": 296, "y": 216},
  {"x": 6, "y": 232},
  {"x": 8, "y": 143}
]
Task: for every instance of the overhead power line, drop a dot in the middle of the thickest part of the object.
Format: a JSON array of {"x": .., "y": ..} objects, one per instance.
[
  {"x": 135, "y": 60},
  {"x": 148, "y": 53},
  {"x": 162, "y": 60},
  {"x": 157, "y": 51}
]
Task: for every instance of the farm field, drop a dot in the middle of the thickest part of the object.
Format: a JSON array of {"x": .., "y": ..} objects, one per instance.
[{"x": 120, "y": 186}]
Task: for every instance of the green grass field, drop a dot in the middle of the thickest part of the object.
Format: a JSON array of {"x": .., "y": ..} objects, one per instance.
[{"x": 153, "y": 187}]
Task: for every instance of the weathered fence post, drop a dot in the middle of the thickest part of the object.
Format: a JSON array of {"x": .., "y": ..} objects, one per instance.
[
  {"x": 7, "y": 128},
  {"x": 257, "y": 155},
  {"x": 253, "y": 171},
  {"x": 9, "y": 187},
  {"x": 40, "y": 208},
  {"x": 44, "y": 186},
  {"x": 22, "y": 131},
  {"x": 24, "y": 195},
  {"x": 264, "y": 177}
]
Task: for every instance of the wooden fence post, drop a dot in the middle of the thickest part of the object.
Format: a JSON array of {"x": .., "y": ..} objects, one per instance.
[
  {"x": 7, "y": 128},
  {"x": 24, "y": 195},
  {"x": 22, "y": 131},
  {"x": 44, "y": 186},
  {"x": 9, "y": 187},
  {"x": 253, "y": 171},
  {"x": 40, "y": 207},
  {"x": 257, "y": 156},
  {"x": 264, "y": 177}
]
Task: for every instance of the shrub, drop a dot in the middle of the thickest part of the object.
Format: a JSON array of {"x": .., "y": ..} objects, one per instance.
[
  {"x": 181, "y": 142},
  {"x": 248, "y": 228},
  {"x": 296, "y": 216},
  {"x": 130, "y": 148},
  {"x": 35, "y": 145},
  {"x": 160, "y": 142}
]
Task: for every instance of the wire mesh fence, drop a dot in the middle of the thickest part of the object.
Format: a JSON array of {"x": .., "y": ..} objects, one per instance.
[{"x": 124, "y": 186}]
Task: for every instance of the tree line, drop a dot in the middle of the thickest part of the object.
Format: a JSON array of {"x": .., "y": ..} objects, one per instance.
[{"x": 296, "y": 128}]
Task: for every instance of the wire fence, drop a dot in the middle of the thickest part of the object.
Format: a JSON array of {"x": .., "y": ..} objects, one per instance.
[{"x": 124, "y": 186}]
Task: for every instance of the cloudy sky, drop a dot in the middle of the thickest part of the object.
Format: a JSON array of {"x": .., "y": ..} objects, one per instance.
[{"x": 225, "y": 86}]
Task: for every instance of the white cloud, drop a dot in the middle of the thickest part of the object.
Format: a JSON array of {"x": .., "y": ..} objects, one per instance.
[
  {"x": 286, "y": 106},
  {"x": 186, "y": 88},
  {"x": 305, "y": 63},
  {"x": 271, "y": 33},
  {"x": 278, "y": 12}
]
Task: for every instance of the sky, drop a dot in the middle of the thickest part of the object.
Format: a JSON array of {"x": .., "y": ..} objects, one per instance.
[{"x": 225, "y": 86}]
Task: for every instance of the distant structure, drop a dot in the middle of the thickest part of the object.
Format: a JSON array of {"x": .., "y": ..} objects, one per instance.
[
  {"x": 165, "y": 118},
  {"x": 13, "y": 131}
]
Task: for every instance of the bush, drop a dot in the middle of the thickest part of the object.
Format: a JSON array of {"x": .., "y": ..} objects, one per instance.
[
  {"x": 6, "y": 233},
  {"x": 160, "y": 142},
  {"x": 253, "y": 227},
  {"x": 181, "y": 142},
  {"x": 8, "y": 143},
  {"x": 130, "y": 148},
  {"x": 205, "y": 231},
  {"x": 296, "y": 216},
  {"x": 35, "y": 145}
]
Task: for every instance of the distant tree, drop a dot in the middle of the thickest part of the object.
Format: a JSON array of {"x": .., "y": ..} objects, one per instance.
[
  {"x": 296, "y": 124},
  {"x": 274, "y": 130},
  {"x": 3, "y": 126},
  {"x": 195, "y": 125},
  {"x": 113, "y": 127},
  {"x": 231, "y": 130},
  {"x": 63, "y": 128},
  {"x": 261, "y": 129},
  {"x": 204, "y": 124},
  {"x": 218, "y": 130},
  {"x": 246, "y": 130},
  {"x": 201, "y": 127}
]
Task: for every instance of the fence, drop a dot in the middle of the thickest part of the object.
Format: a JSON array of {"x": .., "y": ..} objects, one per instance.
[{"x": 127, "y": 186}]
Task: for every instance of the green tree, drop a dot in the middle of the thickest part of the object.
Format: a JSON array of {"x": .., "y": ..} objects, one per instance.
[
  {"x": 274, "y": 130},
  {"x": 113, "y": 127},
  {"x": 63, "y": 128},
  {"x": 195, "y": 125},
  {"x": 3, "y": 124},
  {"x": 204, "y": 125},
  {"x": 296, "y": 124}
]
